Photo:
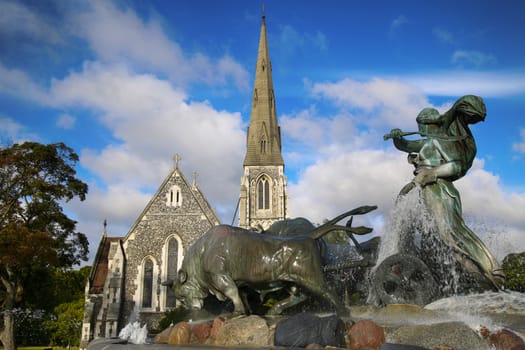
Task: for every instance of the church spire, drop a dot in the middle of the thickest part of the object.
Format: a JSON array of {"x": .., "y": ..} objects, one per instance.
[
  {"x": 263, "y": 199},
  {"x": 264, "y": 133}
]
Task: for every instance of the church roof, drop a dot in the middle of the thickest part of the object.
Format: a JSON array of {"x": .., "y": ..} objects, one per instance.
[
  {"x": 264, "y": 134},
  {"x": 99, "y": 271}
]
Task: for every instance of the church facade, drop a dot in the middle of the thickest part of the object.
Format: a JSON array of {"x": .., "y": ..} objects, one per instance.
[
  {"x": 125, "y": 284},
  {"x": 125, "y": 281}
]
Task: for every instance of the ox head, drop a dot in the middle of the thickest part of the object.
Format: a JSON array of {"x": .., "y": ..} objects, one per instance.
[{"x": 187, "y": 291}]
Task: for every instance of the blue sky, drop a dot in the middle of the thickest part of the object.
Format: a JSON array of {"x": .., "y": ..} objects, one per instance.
[{"x": 128, "y": 84}]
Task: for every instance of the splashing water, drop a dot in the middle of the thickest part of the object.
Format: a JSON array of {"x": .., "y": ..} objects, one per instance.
[
  {"x": 134, "y": 333},
  {"x": 483, "y": 309},
  {"x": 412, "y": 230},
  {"x": 406, "y": 209}
]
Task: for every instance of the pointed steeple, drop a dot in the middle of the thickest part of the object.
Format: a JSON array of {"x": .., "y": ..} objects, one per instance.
[
  {"x": 264, "y": 134},
  {"x": 263, "y": 199}
]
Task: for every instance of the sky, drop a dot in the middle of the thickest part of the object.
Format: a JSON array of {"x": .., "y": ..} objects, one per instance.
[{"x": 129, "y": 84}]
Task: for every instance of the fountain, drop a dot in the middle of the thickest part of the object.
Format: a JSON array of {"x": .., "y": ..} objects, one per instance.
[{"x": 431, "y": 281}]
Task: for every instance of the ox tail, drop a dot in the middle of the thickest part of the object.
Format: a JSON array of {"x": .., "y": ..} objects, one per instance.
[
  {"x": 357, "y": 211},
  {"x": 331, "y": 225}
]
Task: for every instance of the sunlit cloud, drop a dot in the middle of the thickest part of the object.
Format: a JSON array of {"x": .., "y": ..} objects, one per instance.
[
  {"x": 384, "y": 102},
  {"x": 120, "y": 35}
]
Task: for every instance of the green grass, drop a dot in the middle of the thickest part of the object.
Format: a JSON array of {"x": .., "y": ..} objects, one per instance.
[{"x": 43, "y": 347}]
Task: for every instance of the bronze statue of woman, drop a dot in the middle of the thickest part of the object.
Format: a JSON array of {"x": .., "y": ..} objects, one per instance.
[{"x": 444, "y": 155}]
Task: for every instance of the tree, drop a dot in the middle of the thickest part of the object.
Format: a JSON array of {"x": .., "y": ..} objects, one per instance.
[{"x": 34, "y": 232}]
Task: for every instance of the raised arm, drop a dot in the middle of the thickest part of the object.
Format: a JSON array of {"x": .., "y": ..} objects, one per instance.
[{"x": 402, "y": 144}]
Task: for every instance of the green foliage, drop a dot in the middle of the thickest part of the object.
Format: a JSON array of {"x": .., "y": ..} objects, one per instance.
[
  {"x": 66, "y": 325},
  {"x": 29, "y": 327},
  {"x": 35, "y": 235},
  {"x": 69, "y": 285},
  {"x": 34, "y": 179},
  {"x": 49, "y": 315},
  {"x": 514, "y": 268},
  {"x": 39, "y": 285}
]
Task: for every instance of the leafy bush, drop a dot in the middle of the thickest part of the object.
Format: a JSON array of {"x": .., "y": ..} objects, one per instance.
[
  {"x": 514, "y": 268},
  {"x": 66, "y": 325},
  {"x": 29, "y": 327}
]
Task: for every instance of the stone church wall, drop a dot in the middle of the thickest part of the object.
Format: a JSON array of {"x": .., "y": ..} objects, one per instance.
[{"x": 148, "y": 237}]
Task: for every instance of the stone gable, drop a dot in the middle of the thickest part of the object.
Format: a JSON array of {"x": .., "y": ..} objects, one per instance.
[{"x": 152, "y": 252}]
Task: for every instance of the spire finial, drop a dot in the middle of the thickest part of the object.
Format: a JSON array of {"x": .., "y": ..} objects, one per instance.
[
  {"x": 176, "y": 158},
  {"x": 262, "y": 8},
  {"x": 194, "y": 176},
  {"x": 105, "y": 232}
]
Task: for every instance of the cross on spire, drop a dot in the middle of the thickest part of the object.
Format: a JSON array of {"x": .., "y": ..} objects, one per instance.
[
  {"x": 176, "y": 158},
  {"x": 194, "y": 176}
]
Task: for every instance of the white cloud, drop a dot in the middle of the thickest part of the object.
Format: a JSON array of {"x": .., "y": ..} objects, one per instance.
[
  {"x": 9, "y": 127},
  {"x": 398, "y": 22},
  {"x": 471, "y": 57},
  {"x": 339, "y": 183},
  {"x": 66, "y": 121},
  {"x": 443, "y": 35},
  {"x": 16, "y": 83},
  {"x": 13, "y": 132},
  {"x": 291, "y": 40},
  {"x": 493, "y": 213},
  {"x": 383, "y": 102},
  {"x": 520, "y": 146},
  {"x": 119, "y": 204},
  {"x": 458, "y": 83},
  {"x": 485, "y": 196},
  {"x": 147, "y": 114},
  {"x": 119, "y": 34},
  {"x": 18, "y": 19}
]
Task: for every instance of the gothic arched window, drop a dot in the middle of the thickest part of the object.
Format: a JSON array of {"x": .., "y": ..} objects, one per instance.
[
  {"x": 172, "y": 261},
  {"x": 263, "y": 193},
  {"x": 147, "y": 284}
]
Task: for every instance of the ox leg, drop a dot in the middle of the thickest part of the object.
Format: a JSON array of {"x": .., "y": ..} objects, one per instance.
[
  {"x": 321, "y": 290},
  {"x": 295, "y": 298},
  {"x": 227, "y": 286}
]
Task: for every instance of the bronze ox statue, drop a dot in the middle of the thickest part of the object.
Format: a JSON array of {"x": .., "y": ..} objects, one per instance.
[{"x": 226, "y": 258}]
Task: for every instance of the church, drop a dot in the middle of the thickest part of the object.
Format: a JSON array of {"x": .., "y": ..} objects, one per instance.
[{"x": 125, "y": 284}]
